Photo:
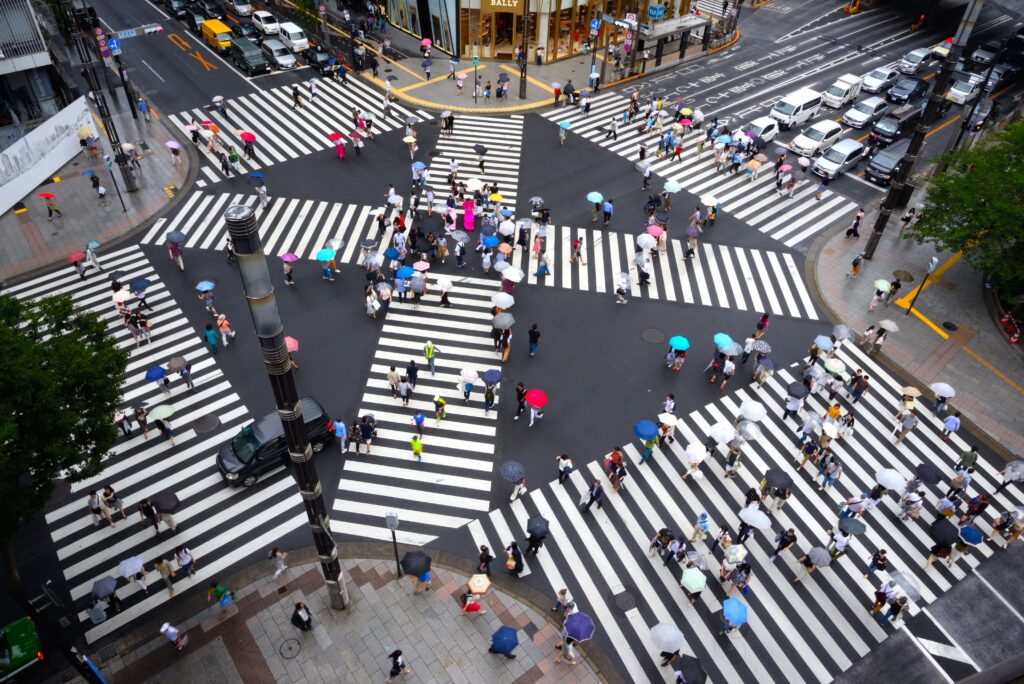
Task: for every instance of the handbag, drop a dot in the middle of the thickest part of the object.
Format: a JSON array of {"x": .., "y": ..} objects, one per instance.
[{"x": 510, "y": 564}]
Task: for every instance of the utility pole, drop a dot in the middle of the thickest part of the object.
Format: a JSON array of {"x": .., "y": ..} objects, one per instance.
[
  {"x": 259, "y": 294},
  {"x": 129, "y": 93},
  {"x": 525, "y": 57},
  {"x": 931, "y": 112},
  {"x": 966, "y": 122}
]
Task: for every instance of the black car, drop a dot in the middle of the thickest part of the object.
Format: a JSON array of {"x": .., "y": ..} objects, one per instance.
[
  {"x": 247, "y": 30},
  {"x": 212, "y": 8},
  {"x": 194, "y": 17},
  {"x": 984, "y": 113},
  {"x": 177, "y": 8},
  {"x": 261, "y": 446},
  {"x": 907, "y": 89},
  {"x": 319, "y": 60}
]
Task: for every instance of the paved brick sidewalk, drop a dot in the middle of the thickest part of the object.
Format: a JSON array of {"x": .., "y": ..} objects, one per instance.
[
  {"x": 987, "y": 372},
  {"x": 255, "y": 641}
]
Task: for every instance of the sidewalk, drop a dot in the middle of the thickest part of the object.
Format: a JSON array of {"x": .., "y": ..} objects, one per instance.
[
  {"x": 255, "y": 641},
  {"x": 28, "y": 242},
  {"x": 986, "y": 372}
]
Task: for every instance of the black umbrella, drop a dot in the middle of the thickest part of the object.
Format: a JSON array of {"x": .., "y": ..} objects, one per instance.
[
  {"x": 479, "y": 149},
  {"x": 943, "y": 531},
  {"x": 852, "y": 526},
  {"x": 779, "y": 478},
  {"x": 116, "y": 275},
  {"x": 537, "y": 525},
  {"x": 415, "y": 563},
  {"x": 165, "y": 502},
  {"x": 368, "y": 244},
  {"x": 502, "y": 78},
  {"x": 177, "y": 363},
  {"x": 426, "y": 63},
  {"x": 927, "y": 473},
  {"x": 797, "y": 390},
  {"x": 513, "y": 471},
  {"x": 206, "y": 424},
  {"x": 690, "y": 669}
]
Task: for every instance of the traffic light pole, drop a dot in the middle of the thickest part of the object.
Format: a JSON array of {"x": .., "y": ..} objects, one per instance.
[
  {"x": 129, "y": 92},
  {"x": 525, "y": 57}
]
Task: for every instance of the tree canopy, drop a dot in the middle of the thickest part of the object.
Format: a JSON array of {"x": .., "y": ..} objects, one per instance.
[
  {"x": 976, "y": 206},
  {"x": 60, "y": 384}
]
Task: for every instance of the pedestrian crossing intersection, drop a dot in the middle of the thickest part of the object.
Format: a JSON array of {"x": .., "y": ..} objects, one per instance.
[
  {"x": 755, "y": 202},
  {"x": 283, "y": 133},
  {"x": 805, "y": 632},
  {"x": 451, "y": 485},
  {"x": 210, "y": 512},
  {"x": 502, "y": 138}
]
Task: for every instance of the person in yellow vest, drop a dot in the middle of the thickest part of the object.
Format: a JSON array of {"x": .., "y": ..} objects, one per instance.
[{"x": 430, "y": 352}]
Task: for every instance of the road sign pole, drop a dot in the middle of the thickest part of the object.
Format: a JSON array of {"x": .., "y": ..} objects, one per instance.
[
  {"x": 931, "y": 269},
  {"x": 526, "y": 44},
  {"x": 476, "y": 61},
  {"x": 391, "y": 522}
]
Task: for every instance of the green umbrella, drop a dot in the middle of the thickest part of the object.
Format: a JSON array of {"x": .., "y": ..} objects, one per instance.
[
  {"x": 161, "y": 412},
  {"x": 882, "y": 284},
  {"x": 694, "y": 580}
]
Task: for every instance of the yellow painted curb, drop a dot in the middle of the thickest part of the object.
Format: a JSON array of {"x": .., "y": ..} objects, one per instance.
[
  {"x": 730, "y": 43},
  {"x": 424, "y": 83}
]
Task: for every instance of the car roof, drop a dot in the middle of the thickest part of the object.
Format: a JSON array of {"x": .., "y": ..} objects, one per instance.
[
  {"x": 762, "y": 121},
  {"x": 920, "y": 51},
  {"x": 273, "y": 43},
  {"x": 888, "y": 69},
  {"x": 873, "y": 100},
  {"x": 269, "y": 426},
  {"x": 825, "y": 124},
  {"x": 262, "y": 14},
  {"x": 847, "y": 145}
]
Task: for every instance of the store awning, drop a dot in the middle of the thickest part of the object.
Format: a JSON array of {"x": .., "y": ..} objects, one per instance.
[{"x": 678, "y": 25}]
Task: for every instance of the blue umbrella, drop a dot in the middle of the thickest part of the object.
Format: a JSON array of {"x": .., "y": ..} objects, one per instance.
[
  {"x": 138, "y": 284},
  {"x": 595, "y": 197},
  {"x": 490, "y": 241},
  {"x": 175, "y": 236},
  {"x": 405, "y": 272},
  {"x": 418, "y": 166},
  {"x": 104, "y": 587},
  {"x": 724, "y": 139},
  {"x": 579, "y": 626},
  {"x": 453, "y": 60},
  {"x": 205, "y": 286},
  {"x": 92, "y": 244},
  {"x": 824, "y": 343},
  {"x": 513, "y": 471},
  {"x": 505, "y": 640},
  {"x": 492, "y": 377},
  {"x": 256, "y": 174},
  {"x": 971, "y": 535},
  {"x": 735, "y": 611},
  {"x": 566, "y": 124},
  {"x": 506, "y": 213},
  {"x": 155, "y": 373},
  {"x": 679, "y": 343},
  {"x": 769, "y": 364},
  {"x": 88, "y": 172},
  {"x": 645, "y": 429},
  {"x": 390, "y": 253},
  {"x": 722, "y": 340},
  {"x": 325, "y": 254}
]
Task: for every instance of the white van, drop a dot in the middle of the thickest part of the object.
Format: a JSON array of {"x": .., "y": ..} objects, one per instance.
[
  {"x": 292, "y": 36},
  {"x": 796, "y": 108}
]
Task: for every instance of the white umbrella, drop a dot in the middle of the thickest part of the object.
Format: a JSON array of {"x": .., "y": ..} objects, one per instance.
[
  {"x": 722, "y": 432},
  {"x": 830, "y": 429},
  {"x": 756, "y": 519},
  {"x": 506, "y": 227},
  {"x": 513, "y": 274},
  {"x": 647, "y": 241},
  {"x": 748, "y": 430},
  {"x": 834, "y": 366},
  {"x": 469, "y": 375},
  {"x": 444, "y": 284},
  {"x": 753, "y": 410},
  {"x": 122, "y": 296},
  {"x": 667, "y": 419},
  {"x": 474, "y": 184},
  {"x": 941, "y": 389},
  {"x": 891, "y": 479},
  {"x": 129, "y": 567},
  {"x": 667, "y": 638},
  {"x": 709, "y": 200},
  {"x": 886, "y": 324},
  {"x": 502, "y": 300},
  {"x": 695, "y": 453},
  {"x": 735, "y": 553},
  {"x": 501, "y": 266}
]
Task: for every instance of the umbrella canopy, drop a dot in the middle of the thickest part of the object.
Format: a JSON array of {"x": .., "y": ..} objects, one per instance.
[
  {"x": 492, "y": 376},
  {"x": 824, "y": 343},
  {"x": 325, "y": 254},
  {"x": 537, "y": 525},
  {"x": 722, "y": 432},
  {"x": 76, "y": 256},
  {"x": 691, "y": 670},
  {"x": 735, "y": 553},
  {"x": 121, "y": 296},
  {"x": 461, "y": 77},
  {"x": 735, "y": 611},
  {"x": 819, "y": 556},
  {"x": 722, "y": 340},
  {"x": 672, "y": 186},
  {"x": 694, "y": 580},
  {"x": 942, "y": 389},
  {"x": 175, "y": 236},
  {"x": 830, "y": 429},
  {"x": 161, "y": 412},
  {"x": 474, "y": 184},
  {"x": 882, "y": 284},
  {"x": 970, "y": 534},
  {"x": 760, "y": 157},
  {"x": 289, "y": 258},
  {"x": 694, "y": 453},
  {"x": 724, "y": 139},
  {"x": 579, "y": 626},
  {"x": 645, "y": 429},
  {"x": 786, "y": 167},
  {"x": 647, "y": 241},
  {"x": 368, "y": 244},
  {"x": 565, "y": 124},
  {"x": 667, "y": 638},
  {"x": 709, "y": 200},
  {"x": 408, "y": 140},
  {"x": 502, "y": 300},
  {"x": 842, "y": 332},
  {"x": 291, "y": 344},
  {"x": 761, "y": 347},
  {"x": 797, "y": 390},
  {"x": 415, "y": 563},
  {"x": 247, "y": 136},
  {"x": 804, "y": 162},
  {"x": 748, "y": 430},
  {"x": 643, "y": 166},
  {"x": 886, "y": 324},
  {"x": 334, "y": 136},
  {"x": 655, "y": 230},
  {"x": 506, "y": 227},
  {"x": 753, "y": 410},
  {"x": 206, "y": 424},
  {"x": 479, "y": 149},
  {"x": 176, "y": 363},
  {"x": 667, "y": 419},
  {"x": 910, "y": 391},
  {"x": 421, "y": 265},
  {"x": 505, "y": 640},
  {"x": 513, "y": 274},
  {"x": 757, "y": 519},
  {"x": 391, "y": 253},
  {"x": 595, "y": 197},
  {"x": 503, "y": 321},
  {"x": 943, "y": 531},
  {"x": 165, "y": 502},
  {"x": 405, "y": 272},
  {"x": 834, "y": 366},
  {"x": 852, "y": 526},
  {"x": 102, "y": 588},
  {"x": 536, "y": 398},
  {"x": 205, "y": 286},
  {"x": 779, "y": 478},
  {"x": 418, "y": 166},
  {"x": 155, "y": 373},
  {"x": 469, "y": 375},
  {"x": 383, "y": 287},
  {"x": 907, "y": 584},
  {"x": 478, "y": 584},
  {"x": 1015, "y": 467},
  {"x": 891, "y": 479},
  {"x": 814, "y": 372},
  {"x": 444, "y": 284},
  {"x": 129, "y": 567},
  {"x": 927, "y": 473},
  {"x": 490, "y": 241},
  {"x": 768, "y": 364},
  {"x": 47, "y": 195},
  {"x": 903, "y": 275},
  {"x": 417, "y": 285},
  {"x": 513, "y": 471},
  {"x": 502, "y": 266},
  {"x": 679, "y": 343}
]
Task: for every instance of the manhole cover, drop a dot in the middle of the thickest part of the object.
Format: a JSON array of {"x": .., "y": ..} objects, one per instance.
[
  {"x": 949, "y": 326},
  {"x": 290, "y": 648},
  {"x": 625, "y": 601},
  {"x": 432, "y": 122},
  {"x": 653, "y": 335}
]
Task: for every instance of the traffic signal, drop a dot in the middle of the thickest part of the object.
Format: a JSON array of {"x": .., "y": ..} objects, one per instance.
[{"x": 86, "y": 19}]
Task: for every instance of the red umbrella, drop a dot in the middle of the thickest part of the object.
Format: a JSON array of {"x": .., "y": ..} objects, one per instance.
[
  {"x": 334, "y": 136},
  {"x": 247, "y": 136},
  {"x": 536, "y": 398},
  {"x": 207, "y": 123},
  {"x": 47, "y": 195},
  {"x": 291, "y": 344},
  {"x": 354, "y": 135},
  {"x": 76, "y": 256}
]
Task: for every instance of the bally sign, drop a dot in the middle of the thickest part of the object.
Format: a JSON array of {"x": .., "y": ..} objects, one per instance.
[{"x": 499, "y": 5}]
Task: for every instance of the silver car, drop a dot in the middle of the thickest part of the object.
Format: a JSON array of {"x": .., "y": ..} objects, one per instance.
[
  {"x": 240, "y": 8},
  {"x": 880, "y": 79},
  {"x": 278, "y": 55},
  {"x": 842, "y": 156},
  {"x": 865, "y": 112}
]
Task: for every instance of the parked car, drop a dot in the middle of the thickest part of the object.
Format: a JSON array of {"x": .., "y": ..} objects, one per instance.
[
  {"x": 248, "y": 31},
  {"x": 763, "y": 127},
  {"x": 841, "y": 157},
  {"x": 906, "y": 89},
  {"x": 261, "y": 446},
  {"x": 265, "y": 22},
  {"x": 880, "y": 79},
  {"x": 248, "y": 57},
  {"x": 865, "y": 112},
  {"x": 941, "y": 50},
  {"x": 19, "y": 649},
  {"x": 913, "y": 60},
  {"x": 278, "y": 55},
  {"x": 816, "y": 138},
  {"x": 966, "y": 90},
  {"x": 194, "y": 18},
  {"x": 177, "y": 8},
  {"x": 984, "y": 55},
  {"x": 240, "y": 8},
  {"x": 1002, "y": 74},
  {"x": 887, "y": 163},
  {"x": 845, "y": 89}
]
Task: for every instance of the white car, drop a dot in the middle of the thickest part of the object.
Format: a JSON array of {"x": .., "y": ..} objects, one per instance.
[
  {"x": 880, "y": 79},
  {"x": 764, "y": 127},
  {"x": 817, "y": 138},
  {"x": 963, "y": 92},
  {"x": 265, "y": 22}
]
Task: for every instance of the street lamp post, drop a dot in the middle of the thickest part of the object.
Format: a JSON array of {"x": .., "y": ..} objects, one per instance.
[
  {"x": 523, "y": 49},
  {"x": 391, "y": 522},
  {"x": 259, "y": 294},
  {"x": 931, "y": 269}
]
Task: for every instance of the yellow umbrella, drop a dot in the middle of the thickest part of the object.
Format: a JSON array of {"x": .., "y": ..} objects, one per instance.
[
  {"x": 495, "y": 197},
  {"x": 85, "y": 132},
  {"x": 911, "y": 391},
  {"x": 408, "y": 140},
  {"x": 478, "y": 584},
  {"x": 753, "y": 165}
]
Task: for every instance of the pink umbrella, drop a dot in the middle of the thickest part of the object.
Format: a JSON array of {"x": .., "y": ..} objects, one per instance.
[
  {"x": 335, "y": 136},
  {"x": 354, "y": 135},
  {"x": 461, "y": 77},
  {"x": 536, "y": 398},
  {"x": 291, "y": 344},
  {"x": 421, "y": 265},
  {"x": 785, "y": 167},
  {"x": 425, "y": 42},
  {"x": 247, "y": 136},
  {"x": 685, "y": 122},
  {"x": 655, "y": 230},
  {"x": 289, "y": 258}
]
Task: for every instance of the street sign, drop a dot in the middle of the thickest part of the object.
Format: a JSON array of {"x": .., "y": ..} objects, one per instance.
[
  {"x": 656, "y": 11},
  {"x": 115, "y": 46},
  {"x": 595, "y": 24},
  {"x": 102, "y": 42},
  {"x": 127, "y": 33},
  {"x": 630, "y": 17},
  {"x": 476, "y": 61},
  {"x": 98, "y": 31},
  {"x": 629, "y": 36},
  {"x": 106, "y": 54},
  {"x": 322, "y": 9}
]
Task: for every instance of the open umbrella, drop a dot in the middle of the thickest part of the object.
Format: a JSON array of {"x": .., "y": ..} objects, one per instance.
[
  {"x": 165, "y": 502},
  {"x": 490, "y": 241},
  {"x": 513, "y": 274},
  {"x": 842, "y": 332},
  {"x": 695, "y": 453},
  {"x": 819, "y": 556},
  {"x": 415, "y": 563},
  {"x": 421, "y": 265},
  {"x": 778, "y": 478},
  {"x": 643, "y": 166},
  {"x": 247, "y": 136},
  {"x": 417, "y": 285},
  {"x": 768, "y": 364},
  {"x": 761, "y": 347},
  {"x": 474, "y": 184},
  {"x": 722, "y": 432},
  {"x": 104, "y": 587},
  {"x": 408, "y": 140},
  {"x": 830, "y": 429},
  {"x": 505, "y": 640},
  {"x": 536, "y": 398},
  {"x": 405, "y": 272},
  {"x": 155, "y": 373},
  {"x": 462, "y": 76},
  {"x": 76, "y": 256},
  {"x": 537, "y": 525},
  {"x": 757, "y": 519},
  {"x": 667, "y": 638},
  {"x": 927, "y": 473},
  {"x": 852, "y": 526},
  {"x": 565, "y": 124},
  {"x": 824, "y": 343},
  {"x": 667, "y": 419},
  {"x": 646, "y": 241},
  {"x": 804, "y": 162},
  {"x": 383, "y": 287},
  {"x": 205, "y": 286},
  {"x": 735, "y": 553},
  {"x": 971, "y": 535},
  {"x": 645, "y": 429},
  {"x": 468, "y": 375},
  {"x": 176, "y": 363},
  {"x": 942, "y": 389},
  {"x": 505, "y": 248},
  {"x": 735, "y": 611},
  {"x": 882, "y": 284},
  {"x": 495, "y": 197},
  {"x": 694, "y": 580},
  {"x": 722, "y": 340},
  {"x": 1014, "y": 467},
  {"x": 47, "y": 195},
  {"x": 886, "y": 324},
  {"x": 595, "y": 197},
  {"x": 797, "y": 390},
  {"x": 679, "y": 343},
  {"x": 579, "y": 626},
  {"x": 129, "y": 567},
  {"x": 291, "y": 344},
  {"x": 760, "y": 157},
  {"x": 724, "y": 139},
  {"x": 444, "y": 284},
  {"x": 391, "y": 253},
  {"x": 903, "y": 275},
  {"x": 512, "y": 471},
  {"x": 502, "y": 300},
  {"x": 175, "y": 236},
  {"x": 753, "y": 410},
  {"x": 814, "y": 373},
  {"x": 672, "y": 186},
  {"x": 748, "y": 430},
  {"x": 655, "y": 230},
  {"x": 943, "y": 531},
  {"x": 907, "y": 584},
  {"x": 910, "y": 391},
  {"x": 479, "y": 149},
  {"x": 834, "y": 366},
  {"x": 161, "y": 412},
  {"x": 418, "y": 166},
  {"x": 121, "y": 296},
  {"x": 891, "y": 479},
  {"x": 786, "y": 167},
  {"x": 334, "y": 136},
  {"x": 503, "y": 321},
  {"x": 709, "y": 200},
  {"x": 690, "y": 669},
  {"x": 502, "y": 266},
  {"x": 492, "y": 376},
  {"x": 478, "y": 584},
  {"x": 206, "y": 424}
]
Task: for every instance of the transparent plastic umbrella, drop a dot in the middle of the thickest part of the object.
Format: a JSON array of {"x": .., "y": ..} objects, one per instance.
[
  {"x": 695, "y": 453},
  {"x": 722, "y": 432},
  {"x": 834, "y": 366},
  {"x": 646, "y": 241},
  {"x": 502, "y": 266},
  {"x": 886, "y": 324},
  {"x": 502, "y": 300},
  {"x": 753, "y": 410},
  {"x": 942, "y": 389},
  {"x": 735, "y": 553},
  {"x": 842, "y": 332},
  {"x": 503, "y": 321},
  {"x": 759, "y": 520},
  {"x": 748, "y": 430},
  {"x": 444, "y": 284},
  {"x": 667, "y": 638},
  {"x": 513, "y": 274},
  {"x": 129, "y": 567},
  {"x": 907, "y": 584},
  {"x": 819, "y": 556},
  {"x": 891, "y": 479}
]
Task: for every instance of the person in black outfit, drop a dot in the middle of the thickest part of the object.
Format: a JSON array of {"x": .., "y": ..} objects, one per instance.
[
  {"x": 520, "y": 400},
  {"x": 302, "y": 618},
  {"x": 535, "y": 542},
  {"x": 411, "y": 372},
  {"x": 485, "y": 558}
]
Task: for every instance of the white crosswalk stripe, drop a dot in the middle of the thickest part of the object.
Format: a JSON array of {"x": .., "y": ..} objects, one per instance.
[
  {"x": 211, "y": 513},
  {"x": 822, "y": 624},
  {"x": 503, "y": 139},
  {"x": 451, "y": 486},
  {"x": 752, "y": 200},
  {"x": 283, "y": 134}
]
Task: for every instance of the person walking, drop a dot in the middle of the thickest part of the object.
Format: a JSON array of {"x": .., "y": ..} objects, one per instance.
[
  {"x": 783, "y": 542},
  {"x": 513, "y": 559},
  {"x": 174, "y": 636},
  {"x": 594, "y": 495},
  {"x": 534, "y": 335},
  {"x": 112, "y": 502},
  {"x": 895, "y": 608},
  {"x": 210, "y": 336},
  {"x": 51, "y": 209},
  {"x": 565, "y": 468},
  {"x": 398, "y": 666},
  {"x": 854, "y": 229},
  {"x": 163, "y": 566},
  {"x": 885, "y": 593},
  {"x": 416, "y": 444},
  {"x": 701, "y": 528},
  {"x": 906, "y": 422},
  {"x": 877, "y": 562},
  {"x": 430, "y": 353},
  {"x": 296, "y": 98},
  {"x": 535, "y": 542},
  {"x": 143, "y": 107},
  {"x": 220, "y": 593},
  {"x": 278, "y": 558},
  {"x": 302, "y": 618},
  {"x": 950, "y": 425},
  {"x": 608, "y": 208},
  {"x": 98, "y": 509},
  {"x": 224, "y": 326}
]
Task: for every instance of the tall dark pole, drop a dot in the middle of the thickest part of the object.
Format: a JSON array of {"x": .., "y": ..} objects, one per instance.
[
  {"x": 526, "y": 45},
  {"x": 394, "y": 543},
  {"x": 259, "y": 293},
  {"x": 129, "y": 93},
  {"x": 931, "y": 112},
  {"x": 965, "y": 124}
]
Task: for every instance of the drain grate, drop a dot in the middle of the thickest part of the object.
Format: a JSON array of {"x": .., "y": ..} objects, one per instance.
[
  {"x": 653, "y": 335},
  {"x": 950, "y": 326}
]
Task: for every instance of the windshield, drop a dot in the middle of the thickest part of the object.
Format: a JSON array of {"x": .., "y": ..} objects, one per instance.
[
  {"x": 962, "y": 86},
  {"x": 784, "y": 107},
  {"x": 880, "y": 74},
  {"x": 814, "y": 134},
  {"x": 224, "y": 37},
  {"x": 886, "y": 126},
  {"x": 281, "y": 52},
  {"x": 751, "y": 128},
  {"x": 863, "y": 108},
  {"x": 836, "y": 90},
  {"x": 835, "y": 157},
  {"x": 245, "y": 444},
  {"x": 914, "y": 58},
  {"x": 904, "y": 85}
]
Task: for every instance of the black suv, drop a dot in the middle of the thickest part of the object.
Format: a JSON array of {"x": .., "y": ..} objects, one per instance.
[
  {"x": 319, "y": 60},
  {"x": 212, "y": 8},
  {"x": 194, "y": 17},
  {"x": 261, "y": 446}
]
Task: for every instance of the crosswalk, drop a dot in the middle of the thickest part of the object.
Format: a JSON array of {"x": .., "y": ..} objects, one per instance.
[
  {"x": 210, "y": 513},
  {"x": 755, "y": 202},
  {"x": 806, "y": 632},
  {"x": 503, "y": 139},
  {"x": 283, "y": 133},
  {"x": 451, "y": 486}
]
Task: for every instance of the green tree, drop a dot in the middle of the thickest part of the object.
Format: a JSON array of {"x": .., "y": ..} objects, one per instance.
[
  {"x": 60, "y": 384},
  {"x": 307, "y": 16},
  {"x": 976, "y": 206}
]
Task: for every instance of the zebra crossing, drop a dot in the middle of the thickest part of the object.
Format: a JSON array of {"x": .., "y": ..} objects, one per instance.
[
  {"x": 451, "y": 486},
  {"x": 503, "y": 140},
  {"x": 755, "y": 202},
  {"x": 210, "y": 513},
  {"x": 806, "y": 632},
  {"x": 283, "y": 133}
]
